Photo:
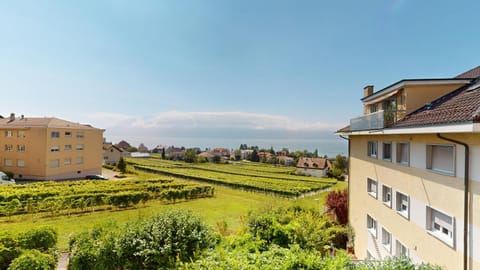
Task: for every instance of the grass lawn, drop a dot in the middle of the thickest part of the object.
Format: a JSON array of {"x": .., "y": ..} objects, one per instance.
[{"x": 228, "y": 205}]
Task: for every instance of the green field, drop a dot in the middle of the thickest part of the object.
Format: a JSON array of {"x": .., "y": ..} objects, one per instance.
[
  {"x": 242, "y": 175},
  {"x": 229, "y": 205}
]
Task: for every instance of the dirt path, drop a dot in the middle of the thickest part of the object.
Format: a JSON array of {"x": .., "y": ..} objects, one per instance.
[{"x": 63, "y": 261}]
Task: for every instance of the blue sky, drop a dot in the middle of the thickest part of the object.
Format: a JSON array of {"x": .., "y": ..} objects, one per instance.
[{"x": 203, "y": 73}]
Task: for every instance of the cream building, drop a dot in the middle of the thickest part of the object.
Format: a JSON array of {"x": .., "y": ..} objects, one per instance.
[
  {"x": 49, "y": 148},
  {"x": 414, "y": 184}
]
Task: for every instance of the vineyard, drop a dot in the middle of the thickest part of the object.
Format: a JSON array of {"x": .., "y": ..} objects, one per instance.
[
  {"x": 70, "y": 196},
  {"x": 241, "y": 175}
]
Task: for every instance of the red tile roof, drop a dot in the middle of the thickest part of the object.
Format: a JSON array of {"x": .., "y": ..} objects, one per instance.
[{"x": 472, "y": 73}]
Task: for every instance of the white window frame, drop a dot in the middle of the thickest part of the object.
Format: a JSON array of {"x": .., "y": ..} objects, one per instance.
[
  {"x": 372, "y": 225},
  {"x": 55, "y": 134},
  {"x": 67, "y": 161},
  {"x": 399, "y": 204},
  {"x": 21, "y": 134},
  {"x": 400, "y": 154},
  {"x": 67, "y": 147},
  {"x": 55, "y": 149},
  {"x": 20, "y": 163},
  {"x": 372, "y": 149},
  {"x": 384, "y": 197},
  {"x": 79, "y": 147},
  {"x": 383, "y": 151},
  {"x": 398, "y": 248},
  {"x": 438, "y": 230},
  {"x": 430, "y": 157},
  {"x": 8, "y": 147},
  {"x": 21, "y": 148},
  {"x": 79, "y": 160},
  {"x": 8, "y": 162},
  {"x": 386, "y": 235},
  {"x": 54, "y": 163},
  {"x": 80, "y": 135},
  {"x": 8, "y": 133},
  {"x": 370, "y": 191}
]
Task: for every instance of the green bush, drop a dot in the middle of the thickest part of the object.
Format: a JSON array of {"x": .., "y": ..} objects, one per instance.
[
  {"x": 33, "y": 260},
  {"x": 43, "y": 238},
  {"x": 9, "y": 249},
  {"x": 155, "y": 243}
]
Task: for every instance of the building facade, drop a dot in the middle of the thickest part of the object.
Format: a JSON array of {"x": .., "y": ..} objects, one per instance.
[
  {"x": 414, "y": 183},
  {"x": 49, "y": 148}
]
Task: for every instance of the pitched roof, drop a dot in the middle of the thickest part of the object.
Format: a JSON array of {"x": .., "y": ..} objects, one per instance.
[
  {"x": 48, "y": 122},
  {"x": 312, "y": 163},
  {"x": 461, "y": 105},
  {"x": 472, "y": 73}
]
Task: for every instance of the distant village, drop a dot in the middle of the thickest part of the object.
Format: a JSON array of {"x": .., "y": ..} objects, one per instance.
[{"x": 307, "y": 163}]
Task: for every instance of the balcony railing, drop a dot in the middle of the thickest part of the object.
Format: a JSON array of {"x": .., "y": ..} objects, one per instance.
[{"x": 376, "y": 120}]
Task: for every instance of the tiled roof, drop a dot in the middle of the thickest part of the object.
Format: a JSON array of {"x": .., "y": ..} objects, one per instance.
[
  {"x": 312, "y": 163},
  {"x": 344, "y": 129},
  {"x": 49, "y": 122},
  {"x": 472, "y": 73},
  {"x": 462, "y": 105}
]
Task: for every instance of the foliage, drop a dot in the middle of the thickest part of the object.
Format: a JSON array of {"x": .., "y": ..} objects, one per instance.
[
  {"x": 217, "y": 159},
  {"x": 11, "y": 207},
  {"x": 242, "y": 175},
  {"x": 337, "y": 203},
  {"x": 9, "y": 249},
  {"x": 33, "y": 260},
  {"x": 190, "y": 156},
  {"x": 43, "y": 238},
  {"x": 254, "y": 157},
  {"x": 155, "y": 243},
  {"x": 122, "y": 165},
  {"x": 339, "y": 166}
]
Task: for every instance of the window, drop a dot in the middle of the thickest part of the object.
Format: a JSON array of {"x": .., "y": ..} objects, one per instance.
[
  {"x": 441, "y": 158},
  {"x": 403, "y": 153},
  {"x": 54, "y": 163},
  {"x": 20, "y": 148},
  {"x": 68, "y": 134},
  {"x": 401, "y": 250},
  {"x": 79, "y": 147},
  {"x": 372, "y": 149},
  {"x": 440, "y": 225},
  {"x": 373, "y": 108},
  {"x": 372, "y": 187},
  {"x": 55, "y": 134},
  {"x": 67, "y": 161},
  {"x": 20, "y": 163},
  {"x": 8, "y": 147},
  {"x": 372, "y": 225},
  {"x": 387, "y": 240},
  {"x": 68, "y": 147},
  {"x": 21, "y": 134},
  {"x": 8, "y": 133},
  {"x": 54, "y": 149},
  {"x": 8, "y": 162},
  {"x": 79, "y": 135},
  {"x": 402, "y": 206},
  {"x": 387, "y": 151},
  {"x": 79, "y": 160},
  {"x": 387, "y": 195}
]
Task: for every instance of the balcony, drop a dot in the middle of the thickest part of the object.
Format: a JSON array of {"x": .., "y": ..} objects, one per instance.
[{"x": 376, "y": 120}]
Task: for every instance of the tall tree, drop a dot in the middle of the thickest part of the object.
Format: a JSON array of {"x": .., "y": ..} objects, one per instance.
[
  {"x": 122, "y": 165},
  {"x": 255, "y": 157}
]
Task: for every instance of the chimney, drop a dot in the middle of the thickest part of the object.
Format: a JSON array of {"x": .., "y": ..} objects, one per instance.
[
  {"x": 12, "y": 117},
  {"x": 367, "y": 90}
]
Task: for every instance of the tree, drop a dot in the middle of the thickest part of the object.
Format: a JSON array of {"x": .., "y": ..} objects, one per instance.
[
  {"x": 315, "y": 153},
  {"x": 340, "y": 162},
  {"x": 337, "y": 203},
  {"x": 216, "y": 159},
  {"x": 271, "y": 150},
  {"x": 254, "y": 156},
  {"x": 122, "y": 165},
  {"x": 190, "y": 156},
  {"x": 132, "y": 149},
  {"x": 163, "y": 153},
  {"x": 33, "y": 259},
  {"x": 11, "y": 207}
]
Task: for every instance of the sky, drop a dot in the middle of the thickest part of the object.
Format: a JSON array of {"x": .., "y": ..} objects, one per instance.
[{"x": 211, "y": 73}]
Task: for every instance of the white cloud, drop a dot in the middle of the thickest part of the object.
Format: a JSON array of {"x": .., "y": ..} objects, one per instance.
[{"x": 211, "y": 120}]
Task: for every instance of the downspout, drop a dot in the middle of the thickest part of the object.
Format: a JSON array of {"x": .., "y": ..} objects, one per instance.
[{"x": 465, "y": 199}]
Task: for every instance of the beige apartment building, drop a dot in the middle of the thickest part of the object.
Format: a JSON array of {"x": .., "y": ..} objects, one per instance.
[
  {"x": 49, "y": 148},
  {"x": 414, "y": 184}
]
